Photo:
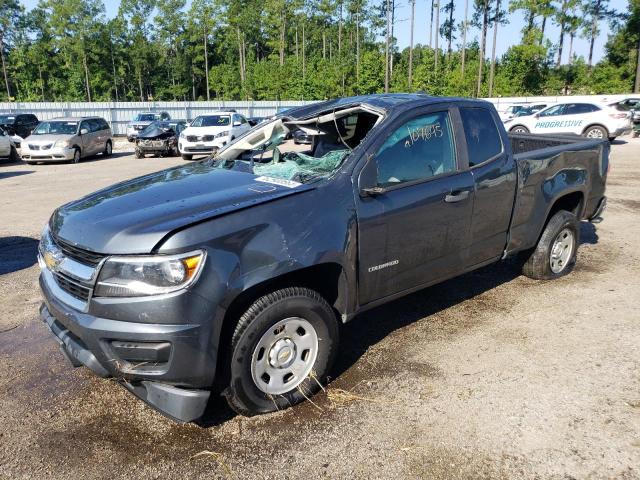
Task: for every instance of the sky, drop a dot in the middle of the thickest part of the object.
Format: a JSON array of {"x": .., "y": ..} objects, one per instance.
[{"x": 507, "y": 34}]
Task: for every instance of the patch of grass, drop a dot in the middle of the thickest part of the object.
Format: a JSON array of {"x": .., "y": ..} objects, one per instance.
[{"x": 219, "y": 459}]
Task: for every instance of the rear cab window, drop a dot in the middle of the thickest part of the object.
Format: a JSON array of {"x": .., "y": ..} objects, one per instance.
[{"x": 482, "y": 135}]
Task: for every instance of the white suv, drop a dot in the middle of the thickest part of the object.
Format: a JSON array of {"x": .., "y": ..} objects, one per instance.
[
  {"x": 209, "y": 133},
  {"x": 587, "y": 119}
]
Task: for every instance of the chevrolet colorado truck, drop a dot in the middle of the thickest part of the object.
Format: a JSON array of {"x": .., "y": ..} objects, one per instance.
[{"x": 231, "y": 275}]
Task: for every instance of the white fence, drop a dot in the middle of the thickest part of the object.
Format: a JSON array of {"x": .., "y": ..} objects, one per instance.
[{"x": 118, "y": 114}]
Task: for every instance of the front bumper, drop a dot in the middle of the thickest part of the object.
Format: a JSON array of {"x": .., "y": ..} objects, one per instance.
[
  {"x": 53, "y": 154},
  {"x": 176, "y": 383},
  {"x": 202, "y": 147}
]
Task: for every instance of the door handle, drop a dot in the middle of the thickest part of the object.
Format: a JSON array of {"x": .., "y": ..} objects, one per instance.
[{"x": 456, "y": 196}]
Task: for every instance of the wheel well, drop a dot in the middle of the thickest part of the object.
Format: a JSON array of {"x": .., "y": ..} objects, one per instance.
[
  {"x": 326, "y": 279},
  {"x": 596, "y": 125},
  {"x": 572, "y": 202}
]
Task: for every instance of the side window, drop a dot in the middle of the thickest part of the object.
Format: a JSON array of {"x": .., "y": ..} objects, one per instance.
[
  {"x": 421, "y": 148},
  {"x": 552, "y": 111},
  {"x": 85, "y": 124},
  {"x": 579, "y": 108},
  {"x": 242, "y": 119},
  {"x": 103, "y": 124},
  {"x": 94, "y": 125},
  {"x": 481, "y": 132}
]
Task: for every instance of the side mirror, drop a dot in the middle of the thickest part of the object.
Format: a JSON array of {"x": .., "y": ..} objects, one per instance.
[
  {"x": 84, "y": 131},
  {"x": 237, "y": 124},
  {"x": 368, "y": 179}
]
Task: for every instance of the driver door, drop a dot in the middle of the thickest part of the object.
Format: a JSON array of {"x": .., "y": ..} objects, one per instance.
[{"x": 414, "y": 219}]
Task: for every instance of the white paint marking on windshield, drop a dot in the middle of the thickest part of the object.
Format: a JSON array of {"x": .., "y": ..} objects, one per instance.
[{"x": 279, "y": 181}]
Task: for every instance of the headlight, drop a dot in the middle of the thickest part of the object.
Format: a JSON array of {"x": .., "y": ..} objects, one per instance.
[
  {"x": 221, "y": 134},
  {"x": 61, "y": 144},
  {"x": 148, "y": 275},
  {"x": 182, "y": 135}
]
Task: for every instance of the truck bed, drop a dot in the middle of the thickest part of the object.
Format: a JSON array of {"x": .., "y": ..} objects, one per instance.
[{"x": 550, "y": 166}]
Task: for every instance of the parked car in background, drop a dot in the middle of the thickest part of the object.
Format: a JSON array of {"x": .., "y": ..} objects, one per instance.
[
  {"x": 209, "y": 133},
  {"x": 18, "y": 126},
  {"x": 529, "y": 110},
  {"x": 300, "y": 137},
  {"x": 7, "y": 147},
  {"x": 253, "y": 121},
  {"x": 588, "y": 119},
  {"x": 631, "y": 105},
  {"x": 511, "y": 111},
  {"x": 232, "y": 276},
  {"x": 142, "y": 121},
  {"x": 160, "y": 138},
  {"x": 68, "y": 139}
]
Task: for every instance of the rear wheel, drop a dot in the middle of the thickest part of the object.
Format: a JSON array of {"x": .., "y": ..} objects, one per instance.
[
  {"x": 555, "y": 254},
  {"x": 281, "y": 351},
  {"x": 596, "y": 131},
  {"x": 519, "y": 129},
  {"x": 186, "y": 156}
]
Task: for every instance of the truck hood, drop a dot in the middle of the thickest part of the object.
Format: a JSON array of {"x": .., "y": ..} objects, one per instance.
[
  {"x": 134, "y": 216},
  {"x": 199, "y": 131},
  {"x": 47, "y": 138}
]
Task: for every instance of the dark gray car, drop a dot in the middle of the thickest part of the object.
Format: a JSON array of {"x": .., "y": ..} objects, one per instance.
[{"x": 231, "y": 275}]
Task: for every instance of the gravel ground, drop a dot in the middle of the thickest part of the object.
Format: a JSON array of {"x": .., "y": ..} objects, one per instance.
[{"x": 491, "y": 375}]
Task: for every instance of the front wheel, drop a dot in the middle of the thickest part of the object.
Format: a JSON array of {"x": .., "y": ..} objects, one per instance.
[
  {"x": 281, "y": 351},
  {"x": 108, "y": 149},
  {"x": 76, "y": 156},
  {"x": 555, "y": 254},
  {"x": 13, "y": 155},
  {"x": 186, "y": 156},
  {"x": 139, "y": 153},
  {"x": 519, "y": 129}
]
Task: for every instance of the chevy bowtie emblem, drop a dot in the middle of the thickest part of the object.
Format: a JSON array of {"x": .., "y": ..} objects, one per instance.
[{"x": 52, "y": 257}]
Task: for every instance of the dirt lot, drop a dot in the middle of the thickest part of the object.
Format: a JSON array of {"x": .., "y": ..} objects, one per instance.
[{"x": 491, "y": 375}]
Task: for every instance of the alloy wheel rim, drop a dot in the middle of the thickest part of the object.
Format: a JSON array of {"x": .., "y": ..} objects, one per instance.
[
  {"x": 284, "y": 356},
  {"x": 561, "y": 250},
  {"x": 595, "y": 133}
]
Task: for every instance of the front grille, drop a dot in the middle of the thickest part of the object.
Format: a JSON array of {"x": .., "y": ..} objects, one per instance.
[
  {"x": 193, "y": 138},
  {"x": 79, "y": 254},
  {"x": 199, "y": 149},
  {"x": 208, "y": 138},
  {"x": 72, "y": 288}
]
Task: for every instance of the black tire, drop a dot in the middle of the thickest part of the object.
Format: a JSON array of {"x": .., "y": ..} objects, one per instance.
[
  {"x": 186, "y": 156},
  {"x": 611, "y": 139},
  {"x": 108, "y": 149},
  {"x": 138, "y": 153},
  {"x": 539, "y": 263},
  {"x": 243, "y": 394},
  {"x": 13, "y": 155},
  {"x": 596, "y": 131},
  {"x": 519, "y": 129},
  {"x": 77, "y": 155}
]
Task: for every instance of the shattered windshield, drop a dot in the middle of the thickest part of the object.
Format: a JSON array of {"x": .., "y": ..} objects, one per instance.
[{"x": 275, "y": 149}]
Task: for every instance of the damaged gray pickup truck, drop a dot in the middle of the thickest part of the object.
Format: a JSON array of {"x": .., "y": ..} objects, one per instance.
[{"x": 232, "y": 275}]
